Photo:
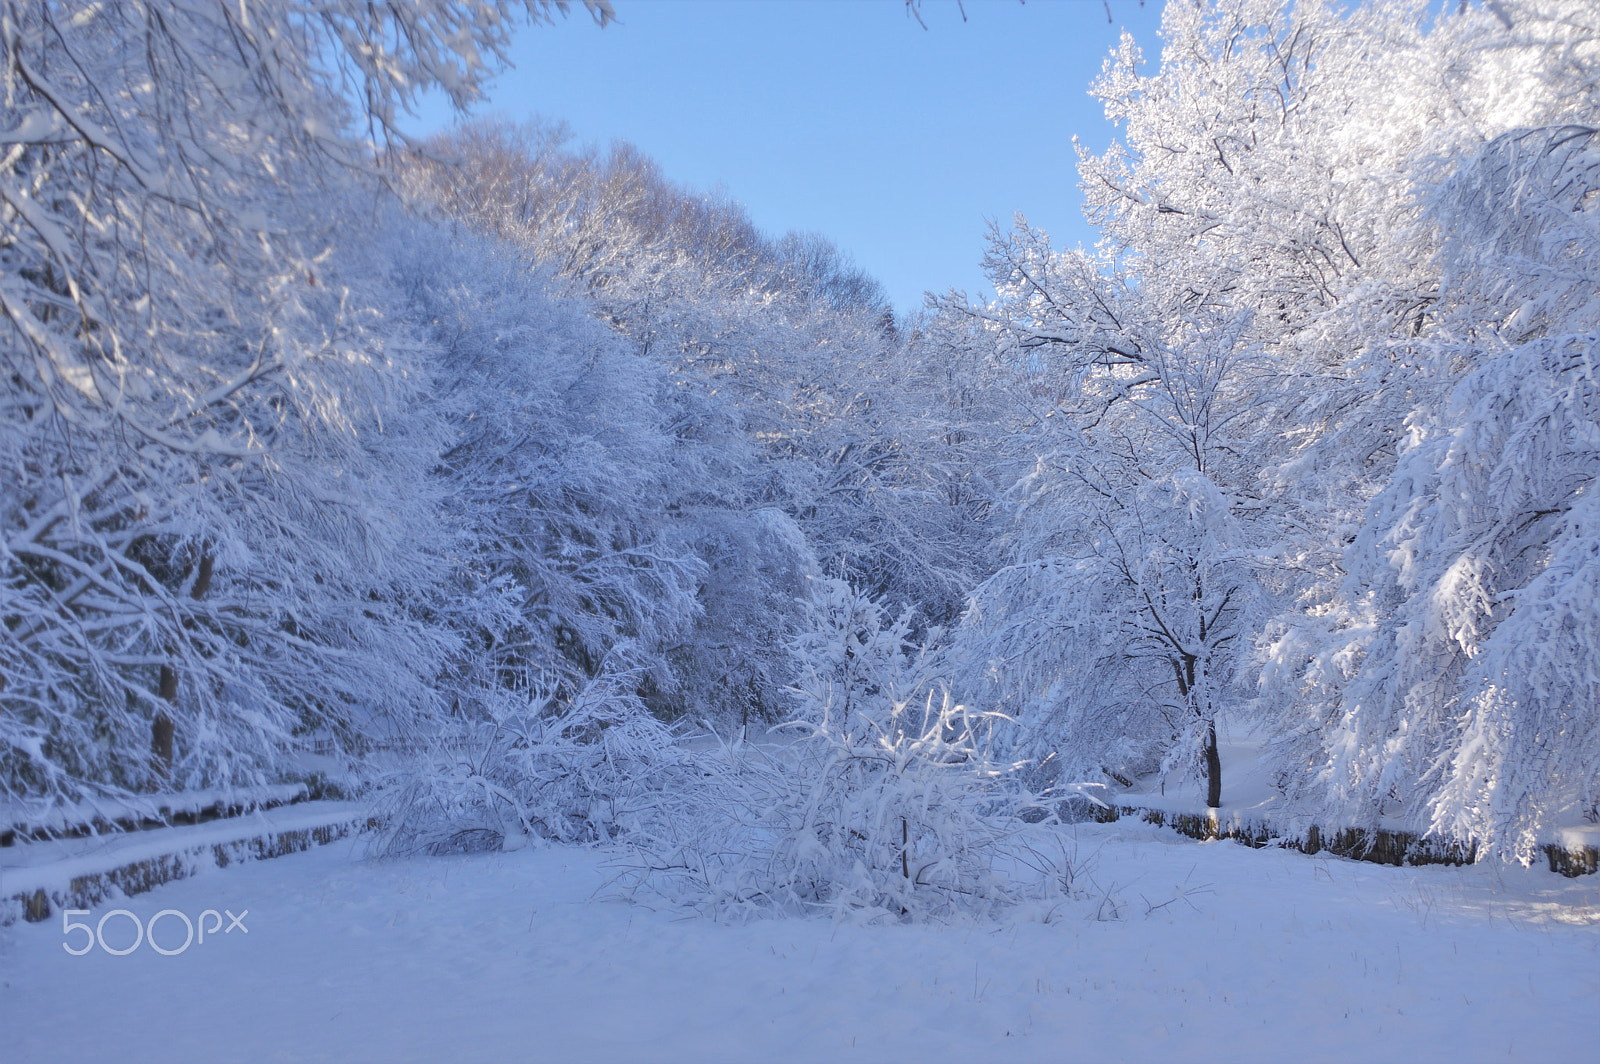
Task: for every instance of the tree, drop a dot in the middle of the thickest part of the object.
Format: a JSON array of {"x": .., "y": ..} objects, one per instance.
[
  {"x": 812, "y": 435},
  {"x": 1124, "y": 616},
  {"x": 211, "y": 527},
  {"x": 1294, "y": 229},
  {"x": 1452, "y": 678}
]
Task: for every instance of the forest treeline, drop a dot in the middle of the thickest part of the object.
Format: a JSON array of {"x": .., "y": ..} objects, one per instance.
[{"x": 506, "y": 456}]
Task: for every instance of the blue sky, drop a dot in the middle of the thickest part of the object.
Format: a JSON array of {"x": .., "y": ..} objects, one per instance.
[{"x": 843, "y": 116}]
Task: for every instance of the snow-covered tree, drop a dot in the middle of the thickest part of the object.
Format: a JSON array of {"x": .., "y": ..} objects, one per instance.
[
  {"x": 1453, "y": 678},
  {"x": 734, "y": 665},
  {"x": 1292, "y": 300},
  {"x": 794, "y": 397},
  {"x": 1123, "y": 620},
  {"x": 213, "y": 530},
  {"x": 560, "y": 473}
]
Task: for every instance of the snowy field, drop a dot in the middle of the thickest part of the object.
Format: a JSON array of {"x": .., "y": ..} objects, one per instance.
[{"x": 1199, "y": 952}]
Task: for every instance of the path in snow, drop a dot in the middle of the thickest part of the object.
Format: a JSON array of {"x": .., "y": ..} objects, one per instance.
[{"x": 1271, "y": 956}]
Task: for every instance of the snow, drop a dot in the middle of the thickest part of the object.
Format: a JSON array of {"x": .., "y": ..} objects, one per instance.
[
  {"x": 1586, "y": 836},
  {"x": 53, "y": 865},
  {"x": 44, "y": 816},
  {"x": 1217, "y": 952}
]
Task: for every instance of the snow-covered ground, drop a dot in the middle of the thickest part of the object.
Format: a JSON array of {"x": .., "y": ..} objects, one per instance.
[{"x": 1202, "y": 952}]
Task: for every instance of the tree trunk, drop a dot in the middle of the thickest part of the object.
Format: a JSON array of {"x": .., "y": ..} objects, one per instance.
[
  {"x": 1213, "y": 768},
  {"x": 161, "y": 727}
]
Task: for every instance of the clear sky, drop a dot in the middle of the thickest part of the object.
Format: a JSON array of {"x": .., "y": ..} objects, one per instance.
[{"x": 844, "y": 117}]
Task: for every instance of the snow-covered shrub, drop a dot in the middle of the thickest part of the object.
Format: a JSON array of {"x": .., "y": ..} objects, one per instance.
[
  {"x": 891, "y": 820},
  {"x": 529, "y": 769},
  {"x": 852, "y": 658},
  {"x": 879, "y": 802}
]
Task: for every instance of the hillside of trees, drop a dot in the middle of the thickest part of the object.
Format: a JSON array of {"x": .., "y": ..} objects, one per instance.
[{"x": 499, "y": 465}]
